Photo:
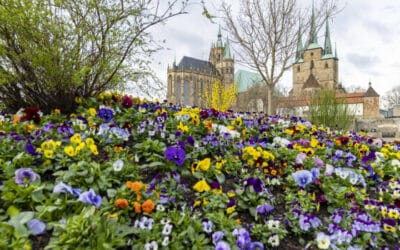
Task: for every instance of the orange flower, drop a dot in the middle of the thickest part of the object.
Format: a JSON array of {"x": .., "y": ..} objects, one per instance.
[
  {"x": 208, "y": 124},
  {"x": 121, "y": 203},
  {"x": 135, "y": 186},
  {"x": 137, "y": 207},
  {"x": 148, "y": 206}
]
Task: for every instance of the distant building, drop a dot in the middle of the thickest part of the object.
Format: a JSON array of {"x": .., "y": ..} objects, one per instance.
[{"x": 192, "y": 77}]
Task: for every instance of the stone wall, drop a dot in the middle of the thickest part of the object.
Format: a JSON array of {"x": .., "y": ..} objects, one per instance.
[{"x": 389, "y": 127}]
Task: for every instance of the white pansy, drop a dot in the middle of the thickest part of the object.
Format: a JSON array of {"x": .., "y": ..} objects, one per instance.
[{"x": 118, "y": 165}]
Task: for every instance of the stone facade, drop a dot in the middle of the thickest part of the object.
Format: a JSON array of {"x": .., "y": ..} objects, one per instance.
[{"x": 188, "y": 81}]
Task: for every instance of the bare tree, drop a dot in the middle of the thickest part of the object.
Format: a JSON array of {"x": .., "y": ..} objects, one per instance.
[
  {"x": 391, "y": 98},
  {"x": 267, "y": 32}
]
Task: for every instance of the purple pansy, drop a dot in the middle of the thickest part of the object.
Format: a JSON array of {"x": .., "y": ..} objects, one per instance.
[
  {"x": 106, "y": 114},
  {"x": 222, "y": 245},
  {"x": 264, "y": 208},
  {"x": 36, "y": 226},
  {"x": 303, "y": 178},
  {"x": 90, "y": 197},
  {"x": 25, "y": 174},
  {"x": 64, "y": 188},
  {"x": 256, "y": 183},
  {"x": 217, "y": 236},
  {"x": 175, "y": 154}
]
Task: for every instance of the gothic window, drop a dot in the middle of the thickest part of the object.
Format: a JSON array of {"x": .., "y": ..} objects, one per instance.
[
  {"x": 170, "y": 89},
  {"x": 186, "y": 91},
  {"x": 312, "y": 64},
  {"x": 195, "y": 91},
  {"x": 178, "y": 90}
]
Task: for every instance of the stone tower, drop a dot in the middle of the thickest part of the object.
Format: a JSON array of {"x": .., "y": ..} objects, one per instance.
[
  {"x": 315, "y": 67},
  {"x": 220, "y": 56}
]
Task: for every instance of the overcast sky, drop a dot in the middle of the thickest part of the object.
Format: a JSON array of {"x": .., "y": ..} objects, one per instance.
[{"x": 366, "y": 34}]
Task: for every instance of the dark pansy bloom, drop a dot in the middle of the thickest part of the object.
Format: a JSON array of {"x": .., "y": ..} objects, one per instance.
[
  {"x": 25, "y": 174},
  {"x": 30, "y": 149},
  {"x": 175, "y": 154},
  {"x": 230, "y": 203},
  {"x": 215, "y": 185},
  {"x": 90, "y": 197},
  {"x": 31, "y": 114},
  {"x": 48, "y": 127},
  {"x": 105, "y": 113},
  {"x": 256, "y": 183},
  {"x": 190, "y": 140},
  {"x": 127, "y": 101}
]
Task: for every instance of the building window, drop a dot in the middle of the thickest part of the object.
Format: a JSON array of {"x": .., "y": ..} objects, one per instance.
[
  {"x": 312, "y": 64},
  {"x": 178, "y": 91},
  {"x": 186, "y": 92},
  {"x": 312, "y": 54},
  {"x": 298, "y": 68},
  {"x": 326, "y": 65}
]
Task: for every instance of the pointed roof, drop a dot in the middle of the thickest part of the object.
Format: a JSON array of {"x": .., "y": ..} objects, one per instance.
[
  {"x": 328, "y": 46},
  {"x": 312, "y": 40},
  {"x": 311, "y": 82},
  {"x": 299, "y": 50},
  {"x": 371, "y": 92},
  {"x": 190, "y": 63},
  {"x": 219, "y": 40},
  {"x": 227, "y": 50}
]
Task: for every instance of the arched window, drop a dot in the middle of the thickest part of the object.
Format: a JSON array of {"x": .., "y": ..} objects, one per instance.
[
  {"x": 186, "y": 91},
  {"x": 298, "y": 68},
  {"x": 326, "y": 65},
  {"x": 178, "y": 90},
  {"x": 312, "y": 64},
  {"x": 170, "y": 89}
]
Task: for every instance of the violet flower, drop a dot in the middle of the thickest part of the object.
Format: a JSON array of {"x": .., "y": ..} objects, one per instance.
[
  {"x": 217, "y": 236},
  {"x": 25, "y": 174},
  {"x": 222, "y": 245},
  {"x": 36, "y": 226},
  {"x": 303, "y": 178},
  {"x": 175, "y": 154},
  {"x": 264, "y": 208},
  {"x": 106, "y": 114},
  {"x": 90, "y": 197},
  {"x": 64, "y": 188}
]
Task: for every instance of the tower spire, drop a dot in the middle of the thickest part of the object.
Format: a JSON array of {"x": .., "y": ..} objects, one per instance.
[
  {"x": 219, "y": 40},
  {"x": 227, "y": 50},
  {"x": 299, "y": 51},
  {"x": 312, "y": 40},
  {"x": 328, "y": 46}
]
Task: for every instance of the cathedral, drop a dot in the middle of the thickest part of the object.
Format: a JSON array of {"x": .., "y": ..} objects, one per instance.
[{"x": 191, "y": 77}]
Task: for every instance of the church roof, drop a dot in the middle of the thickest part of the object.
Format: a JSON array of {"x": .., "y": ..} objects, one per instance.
[
  {"x": 245, "y": 80},
  {"x": 190, "y": 63},
  {"x": 371, "y": 92},
  {"x": 311, "y": 82}
]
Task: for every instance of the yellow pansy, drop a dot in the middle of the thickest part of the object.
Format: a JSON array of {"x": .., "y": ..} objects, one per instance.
[
  {"x": 230, "y": 210},
  {"x": 76, "y": 138},
  {"x": 89, "y": 141},
  {"x": 48, "y": 153},
  {"x": 94, "y": 150},
  {"x": 181, "y": 127},
  {"x": 201, "y": 186},
  {"x": 70, "y": 151},
  {"x": 204, "y": 164},
  {"x": 289, "y": 131},
  {"x": 92, "y": 112},
  {"x": 231, "y": 194}
]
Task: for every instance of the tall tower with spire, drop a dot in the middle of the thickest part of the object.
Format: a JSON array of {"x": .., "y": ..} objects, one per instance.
[{"x": 315, "y": 67}]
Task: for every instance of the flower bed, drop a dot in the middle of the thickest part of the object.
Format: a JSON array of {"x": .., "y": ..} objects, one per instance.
[{"x": 128, "y": 174}]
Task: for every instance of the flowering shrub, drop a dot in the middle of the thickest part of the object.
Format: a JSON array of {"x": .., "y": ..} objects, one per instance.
[{"x": 123, "y": 173}]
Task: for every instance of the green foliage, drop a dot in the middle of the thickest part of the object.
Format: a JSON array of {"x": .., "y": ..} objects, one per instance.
[
  {"x": 54, "y": 51},
  {"x": 325, "y": 109}
]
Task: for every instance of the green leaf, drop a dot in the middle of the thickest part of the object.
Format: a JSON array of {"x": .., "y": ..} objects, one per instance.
[
  {"x": 12, "y": 211},
  {"x": 88, "y": 211},
  {"x": 220, "y": 178}
]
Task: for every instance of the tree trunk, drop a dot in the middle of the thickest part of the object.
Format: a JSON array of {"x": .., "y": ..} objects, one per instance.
[{"x": 269, "y": 100}]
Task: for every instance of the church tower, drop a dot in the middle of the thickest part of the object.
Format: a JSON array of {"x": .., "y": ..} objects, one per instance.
[{"x": 314, "y": 67}]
